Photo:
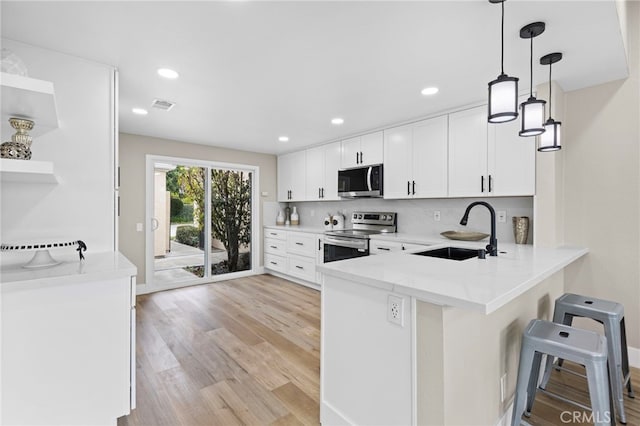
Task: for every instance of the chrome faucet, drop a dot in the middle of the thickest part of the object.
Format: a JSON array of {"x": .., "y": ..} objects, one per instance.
[{"x": 492, "y": 247}]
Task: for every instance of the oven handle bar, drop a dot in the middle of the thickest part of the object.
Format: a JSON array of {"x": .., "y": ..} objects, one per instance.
[{"x": 345, "y": 242}]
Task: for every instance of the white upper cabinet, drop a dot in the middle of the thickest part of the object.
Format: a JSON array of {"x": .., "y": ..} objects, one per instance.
[
  {"x": 397, "y": 165},
  {"x": 512, "y": 160},
  {"x": 468, "y": 153},
  {"x": 489, "y": 159},
  {"x": 322, "y": 164},
  {"x": 416, "y": 160},
  {"x": 362, "y": 150},
  {"x": 291, "y": 176},
  {"x": 429, "y": 158}
]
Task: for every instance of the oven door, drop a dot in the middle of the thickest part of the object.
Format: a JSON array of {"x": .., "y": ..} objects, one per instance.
[{"x": 340, "y": 248}]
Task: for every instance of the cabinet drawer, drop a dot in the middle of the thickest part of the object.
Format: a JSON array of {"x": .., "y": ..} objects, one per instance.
[
  {"x": 302, "y": 267},
  {"x": 382, "y": 247},
  {"x": 275, "y": 234},
  {"x": 276, "y": 263},
  {"x": 301, "y": 243},
  {"x": 277, "y": 247}
]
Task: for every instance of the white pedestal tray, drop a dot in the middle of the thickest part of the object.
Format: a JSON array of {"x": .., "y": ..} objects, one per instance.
[{"x": 42, "y": 258}]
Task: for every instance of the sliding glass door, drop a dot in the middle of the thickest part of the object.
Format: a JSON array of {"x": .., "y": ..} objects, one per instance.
[
  {"x": 202, "y": 222},
  {"x": 230, "y": 220}
]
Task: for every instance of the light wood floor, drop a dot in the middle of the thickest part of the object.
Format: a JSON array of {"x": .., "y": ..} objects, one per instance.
[{"x": 246, "y": 351}]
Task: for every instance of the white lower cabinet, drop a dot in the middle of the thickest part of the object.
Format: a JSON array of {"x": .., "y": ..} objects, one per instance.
[
  {"x": 68, "y": 350},
  {"x": 293, "y": 254}
]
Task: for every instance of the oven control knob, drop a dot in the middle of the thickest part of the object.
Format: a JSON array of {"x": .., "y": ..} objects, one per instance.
[
  {"x": 355, "y": 216},
  {"x": 389, "y": 217},
  {"x": 384, "y": 217},
  {"x": 359, "y": 216}
]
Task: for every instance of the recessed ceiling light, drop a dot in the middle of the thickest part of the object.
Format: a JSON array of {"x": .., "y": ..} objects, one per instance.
[
  {"x": 140, "y": 111},
  {"x": 337, "y": 121},
  {"x": 429, "y": 91},
  {"x": 168, "y": 73},
  {"x": 283, "y": 138}
]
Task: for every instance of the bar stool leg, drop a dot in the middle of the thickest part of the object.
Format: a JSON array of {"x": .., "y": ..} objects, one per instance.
[
  {"x": 614, "y": 353},
  {"x": 625, "y": 359},
  {"x": 600, "y": 399},
  {"x": 533, "y": 383},
  {"x": 524, "y": 372}
]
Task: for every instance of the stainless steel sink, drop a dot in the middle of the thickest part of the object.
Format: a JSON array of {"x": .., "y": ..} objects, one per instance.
[{"x": 453, "y": 253}]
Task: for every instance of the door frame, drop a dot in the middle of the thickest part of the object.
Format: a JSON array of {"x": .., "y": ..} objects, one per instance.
[{"x": 150, "y": 161}]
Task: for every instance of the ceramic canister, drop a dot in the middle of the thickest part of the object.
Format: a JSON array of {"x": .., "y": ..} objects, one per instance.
[{"x": 328, "y": 222}]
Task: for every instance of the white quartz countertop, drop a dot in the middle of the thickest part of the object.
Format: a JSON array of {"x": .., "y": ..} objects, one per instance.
[
  {"x": 297, "y": 228},
  {"x": 479, "y": 284},
  {"x": 96, "y": 266}
]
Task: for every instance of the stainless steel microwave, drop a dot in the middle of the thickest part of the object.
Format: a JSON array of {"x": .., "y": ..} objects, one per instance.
[{"x": 360, "y": 182}]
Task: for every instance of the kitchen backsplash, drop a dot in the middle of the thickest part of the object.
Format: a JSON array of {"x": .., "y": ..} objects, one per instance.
[{"x": 416, "y": 216}]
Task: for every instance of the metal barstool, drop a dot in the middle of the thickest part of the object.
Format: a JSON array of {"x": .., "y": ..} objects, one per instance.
[
  {"x": 580, "y": 346},
  {"x": 611, "y": 315}
]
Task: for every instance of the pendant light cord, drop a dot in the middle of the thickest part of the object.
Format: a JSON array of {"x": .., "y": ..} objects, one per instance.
[
  {"x": 531, "y": 69},
  {"x": 550, "y": 90},
  {"x": 502, "y": 42}
]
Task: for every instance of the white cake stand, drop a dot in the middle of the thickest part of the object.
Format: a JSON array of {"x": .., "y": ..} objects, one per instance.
[{"x": 42, "y": 258}]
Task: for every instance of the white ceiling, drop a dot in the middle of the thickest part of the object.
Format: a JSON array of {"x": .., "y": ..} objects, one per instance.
[{"x": 253, "y": 71}]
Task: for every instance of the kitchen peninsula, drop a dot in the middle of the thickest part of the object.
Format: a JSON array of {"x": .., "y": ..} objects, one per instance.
[{"x": 409, "y": 339}]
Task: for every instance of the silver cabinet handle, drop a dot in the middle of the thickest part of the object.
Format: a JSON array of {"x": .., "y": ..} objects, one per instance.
[
  {"x": 274, "y": 247},
  {"x": 300, "y": 244},
  {"x": 273, "y": 263},
  {"x": 299, "y": 267},
  {"x": 384, "y": 248}
]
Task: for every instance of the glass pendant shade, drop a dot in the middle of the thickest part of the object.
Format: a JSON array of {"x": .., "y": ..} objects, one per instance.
[
  {"x": 503, "y": 99},
  {"x": 550, "y": 140},
  {"x": 532, "y": 117}
]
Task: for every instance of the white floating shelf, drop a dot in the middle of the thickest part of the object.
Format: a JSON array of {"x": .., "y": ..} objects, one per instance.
[
  {"x": 27, "y": 171},
  {"x": 25, "y": 97}
]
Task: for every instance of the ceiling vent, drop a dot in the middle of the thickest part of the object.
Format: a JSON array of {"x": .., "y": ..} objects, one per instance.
[{"x": 162, "y": 104}]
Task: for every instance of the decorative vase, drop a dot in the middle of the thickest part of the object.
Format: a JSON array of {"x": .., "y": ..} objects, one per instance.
[
  {"x": 520, "y": 229},
  {"x": 20, "y": 146},
  {"x": 295, "y": 219},
  {"x": 280, "y": 218}
]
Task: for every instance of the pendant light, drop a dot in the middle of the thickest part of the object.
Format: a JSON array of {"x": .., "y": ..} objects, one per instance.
[
  {"x": 550, "y": 139},
  {"x": 503, "y": 91},
  {"x": 532, "y": 108}
]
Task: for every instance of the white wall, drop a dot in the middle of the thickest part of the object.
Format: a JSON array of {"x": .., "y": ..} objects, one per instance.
[
  {"x": 81, "y": 205},
  {"x": 602, "y": 186}
]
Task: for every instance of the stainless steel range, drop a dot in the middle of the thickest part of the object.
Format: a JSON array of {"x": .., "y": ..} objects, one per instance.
[{"x": 354, "y": 242}]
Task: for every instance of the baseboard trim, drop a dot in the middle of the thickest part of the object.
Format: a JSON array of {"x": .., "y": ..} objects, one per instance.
[
  {"x": 293, "y": 279},
  {"x": 505, "y": 420},
  {"x": 634, "y": 357},
  {"x": 331, "y": 416}
]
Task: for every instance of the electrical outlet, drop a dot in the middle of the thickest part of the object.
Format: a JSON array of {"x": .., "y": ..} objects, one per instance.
[
  {"x": 502, "y": 216},
  {"x": 436, "y": 215},
  {"x": 503, "y": 387},
  {"x": 139, "y": 227},
  {"x": 395, "y": 310}
]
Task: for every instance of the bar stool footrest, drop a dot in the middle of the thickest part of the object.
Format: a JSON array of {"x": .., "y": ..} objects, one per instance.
[{"x": 562, "y": 398}]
